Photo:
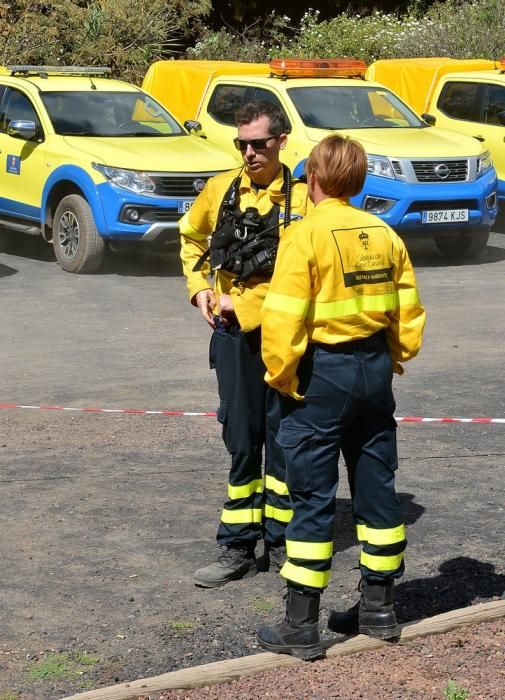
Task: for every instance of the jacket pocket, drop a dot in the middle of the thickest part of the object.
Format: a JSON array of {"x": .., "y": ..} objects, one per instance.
[{"x": 297, "y": 445}]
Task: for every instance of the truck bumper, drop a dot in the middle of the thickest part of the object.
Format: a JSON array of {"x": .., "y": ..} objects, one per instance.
[
  {"x": 131, "y": 217},
  {"x": 408, "y": 201}
]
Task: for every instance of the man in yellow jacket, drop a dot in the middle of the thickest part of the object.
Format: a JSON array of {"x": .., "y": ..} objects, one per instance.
[
  {"x": 341, "y": 314},
  {"x": 232, "y": 231}
]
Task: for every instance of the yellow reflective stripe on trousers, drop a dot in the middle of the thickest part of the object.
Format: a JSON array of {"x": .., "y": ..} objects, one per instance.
[
  {"x": 375, "y": 563},
  {"x": 280, "y": 514},
  {"x": 278, "y": 487},
  {"x": 283, "y": 302},
  {"x": 241, "y": 515},
  {"x": 309, "y": 550},
  {"x": 246, "y": 490},
  {"x": 389, "y": 535},
  {"x": 321, "y": 310},
  {"x": 304, "y": 576}
]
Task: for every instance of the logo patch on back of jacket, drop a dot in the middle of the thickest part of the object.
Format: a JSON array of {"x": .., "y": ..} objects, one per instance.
[{"x": 365, "y": 254}]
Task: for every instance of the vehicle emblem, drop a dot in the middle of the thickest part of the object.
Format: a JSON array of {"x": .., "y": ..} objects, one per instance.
[
  {"x": 198, "y": 185},
  {"x": 364, "y": 239},
  {"x": 442, "y": 171}
]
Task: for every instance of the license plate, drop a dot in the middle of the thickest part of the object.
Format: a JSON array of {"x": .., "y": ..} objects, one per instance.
[
  {"x": 184, "y": 205},
  {"x": 445, "y": 216}
]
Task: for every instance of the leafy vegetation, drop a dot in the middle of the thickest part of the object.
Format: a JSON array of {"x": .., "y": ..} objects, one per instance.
[
  {"x": 129, "y": 35},
  {"x": 66, "y": 664},
  {"x": 454, "y": 692},
  {"x": 456, "y": 28}
]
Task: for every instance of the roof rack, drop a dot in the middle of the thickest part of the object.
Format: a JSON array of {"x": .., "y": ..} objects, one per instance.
[
  {"x": 44, "y": 71},
  {"x": 317, "y": 68}
]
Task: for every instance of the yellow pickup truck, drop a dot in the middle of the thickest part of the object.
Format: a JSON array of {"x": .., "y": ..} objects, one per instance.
[
  {"x": 423, "y": 181},
  {"x": 466, "y": 95}
]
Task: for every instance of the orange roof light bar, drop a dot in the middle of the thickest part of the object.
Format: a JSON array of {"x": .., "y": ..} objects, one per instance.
[
  {"x": 502, "y": 63},
  {"x": 317, "y": 68}
]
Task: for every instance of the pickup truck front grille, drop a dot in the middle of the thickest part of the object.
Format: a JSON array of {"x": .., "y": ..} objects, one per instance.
[
  {"x": 440, "y": 170},
  {"x": 435, "y": 205},
  {"x": 179, "y": 186}
]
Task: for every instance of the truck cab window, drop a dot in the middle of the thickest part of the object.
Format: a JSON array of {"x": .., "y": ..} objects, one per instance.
[
  {"x": 226, "y": 100},
  {"x": 460, "y": 101},
  {"x": 17, "y": 106},
  {"x": 494, "y": 103}
]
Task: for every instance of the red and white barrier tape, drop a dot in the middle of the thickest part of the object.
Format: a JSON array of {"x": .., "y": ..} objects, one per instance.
[{"x": 145, "y": 412}]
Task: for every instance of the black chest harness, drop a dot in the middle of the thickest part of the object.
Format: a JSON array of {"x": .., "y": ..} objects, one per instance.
[{"x": 245, "y": 242}]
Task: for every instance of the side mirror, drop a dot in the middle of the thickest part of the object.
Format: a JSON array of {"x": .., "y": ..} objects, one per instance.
[
  {"x": 194, "y": 127},
  {"x": 501, "y": 117},
  {"x": 429, "y": 119},
  {"x": 21, "y": 129}
]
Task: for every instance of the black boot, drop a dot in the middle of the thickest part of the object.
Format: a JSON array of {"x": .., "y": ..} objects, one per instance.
[
  {"x": 374, "y": 615},
  {"x": 345, "y": 622},
  {"x": 298, "y": 633}
]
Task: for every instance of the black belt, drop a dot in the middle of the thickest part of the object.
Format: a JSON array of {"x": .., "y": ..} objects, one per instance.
[{"x": 373, "y": 343}]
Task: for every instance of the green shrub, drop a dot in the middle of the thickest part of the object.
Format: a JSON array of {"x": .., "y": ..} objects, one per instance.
[
  {"x": 471, "y": 29},
  {"x": 127, "y": 36}
]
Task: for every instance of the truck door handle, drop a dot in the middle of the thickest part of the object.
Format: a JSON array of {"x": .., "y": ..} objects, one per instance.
[{"x": 479, "y": 138}]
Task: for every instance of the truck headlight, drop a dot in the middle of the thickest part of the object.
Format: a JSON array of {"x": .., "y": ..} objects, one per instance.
[
  {"x": 484, "y": 163},
  {"x": 131, "y": 180},
  {"x": 380, "y": 166}
]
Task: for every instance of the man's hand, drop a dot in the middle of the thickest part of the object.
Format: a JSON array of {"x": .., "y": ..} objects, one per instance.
[
  {"x": 206, "y": 301},
  {"x": 226, "y": 310}
]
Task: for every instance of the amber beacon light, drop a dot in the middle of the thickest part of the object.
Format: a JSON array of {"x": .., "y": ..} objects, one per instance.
[
  {"x": 317, "y": 68},
  {"x": 502, "y": 64}
]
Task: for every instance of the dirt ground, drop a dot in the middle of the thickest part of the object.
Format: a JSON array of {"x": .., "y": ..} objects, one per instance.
[
  {"x": 470, "y": 659},
  {"x": 104, "y": 517}
]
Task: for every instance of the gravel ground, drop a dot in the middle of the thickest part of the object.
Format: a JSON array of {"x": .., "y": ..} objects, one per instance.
[
  {"x": 105, "y": 517},
  {"x": 472, "y": 657}
]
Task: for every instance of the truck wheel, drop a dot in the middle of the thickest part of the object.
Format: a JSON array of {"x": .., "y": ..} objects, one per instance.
[
  {"x": 77, "y": 245},
  {"x": 462, "y": 246},
  {"x": 5, "y": 240}
]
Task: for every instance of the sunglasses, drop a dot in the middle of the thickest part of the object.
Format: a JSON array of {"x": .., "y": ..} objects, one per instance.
[{"x": 256, "y": 144}]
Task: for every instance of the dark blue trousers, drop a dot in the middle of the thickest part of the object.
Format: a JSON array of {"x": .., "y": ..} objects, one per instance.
[
  {"x": 348, "y": 407},
  {"x": 258, "y": 504}
]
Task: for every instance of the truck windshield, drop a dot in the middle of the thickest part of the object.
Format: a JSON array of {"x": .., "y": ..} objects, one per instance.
[
  {"x": 111, "y": 114},
  {"x": 349, "y": 107}
]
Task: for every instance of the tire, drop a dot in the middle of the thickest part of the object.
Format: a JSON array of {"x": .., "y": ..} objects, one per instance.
[
  {"x": 77, "y": 245},
  {"x": 462, "y": 246},
  {"x": 5, "y": 240}
]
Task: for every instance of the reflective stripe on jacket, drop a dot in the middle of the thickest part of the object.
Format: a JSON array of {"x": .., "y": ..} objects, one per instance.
[{"x": 341, "y": 274}]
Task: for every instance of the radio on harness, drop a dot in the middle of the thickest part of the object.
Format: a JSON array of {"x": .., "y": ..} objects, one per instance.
[{"x": 245, "y": 243}]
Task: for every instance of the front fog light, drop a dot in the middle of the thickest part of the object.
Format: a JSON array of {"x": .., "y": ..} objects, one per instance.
[
  {"x": 132, "y": 215},
  {"x": 491, "y": 201},
  {"x": 377, "y": 205}
]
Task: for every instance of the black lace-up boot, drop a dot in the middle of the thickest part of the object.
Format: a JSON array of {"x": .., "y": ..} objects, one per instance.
[
  {"x": 297, "y": 634},
  {"x": 232, "y": 563}
]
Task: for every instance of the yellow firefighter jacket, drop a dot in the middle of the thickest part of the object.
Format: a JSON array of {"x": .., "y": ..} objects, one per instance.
[
  {"x": 341, "y": 274},
  {"x": 200, "y": 222}
]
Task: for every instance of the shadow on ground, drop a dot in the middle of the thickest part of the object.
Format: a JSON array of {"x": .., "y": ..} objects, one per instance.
[
  {"x": 462, "y": 581},
  {"x": 130, "y": 260}
]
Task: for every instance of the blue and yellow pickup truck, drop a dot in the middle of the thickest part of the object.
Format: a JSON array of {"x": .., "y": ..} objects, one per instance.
[
  {"x": 86, "y": 161},
  {"x": 422, "y": 180},
  {"x": 467, "y": 95}
]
